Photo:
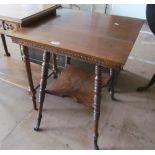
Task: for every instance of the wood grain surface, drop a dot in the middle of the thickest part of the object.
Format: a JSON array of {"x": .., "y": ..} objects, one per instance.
[
  {"x": 104, "y": 39},
  {"x": 77, "y": 83},
  {"x": 19, "y": 13}
]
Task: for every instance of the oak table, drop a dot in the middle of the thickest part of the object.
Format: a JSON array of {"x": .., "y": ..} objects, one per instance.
[
  {"x": 103, "y": 40},
  {"x": 14, "y": 17}
]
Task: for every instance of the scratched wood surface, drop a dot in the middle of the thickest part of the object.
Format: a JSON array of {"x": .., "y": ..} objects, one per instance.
[{"x": 104, "y": 39}]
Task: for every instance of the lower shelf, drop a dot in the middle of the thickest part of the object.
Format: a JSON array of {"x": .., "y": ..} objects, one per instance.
[
  {"x": 13, "y": 71},
  {"x": 77, "y": 83}
]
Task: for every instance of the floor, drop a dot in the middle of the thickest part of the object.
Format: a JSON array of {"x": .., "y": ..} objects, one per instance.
[{"x": 126, "y": 124}]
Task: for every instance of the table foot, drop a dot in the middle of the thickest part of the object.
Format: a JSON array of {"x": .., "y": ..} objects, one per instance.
[
  {"x": 141, "y": 89},
  {"x": 7, "y": 54},
  {"x": 144, "y": 88},
  {"x": 36, "y": 128},
  {"x": 96, "y": 147}
]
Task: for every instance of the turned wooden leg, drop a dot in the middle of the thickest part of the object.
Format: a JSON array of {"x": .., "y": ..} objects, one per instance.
[
  {"x": 67, "y": 61},
  {"x": 43, "y": 83},
  {"x": 111, "y": 83},
  {"x": 29, "y": 75},
  {"x": 4, "y": 45},
  {"x": 151, "y": 82},
  {"x": 97, "y": 102},
  {"x": 54, "y": 69}
]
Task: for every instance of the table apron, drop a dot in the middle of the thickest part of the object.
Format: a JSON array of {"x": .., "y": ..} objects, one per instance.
[
  {"x": 9, "y": 26},
  {"x": 69, "y": 53}
]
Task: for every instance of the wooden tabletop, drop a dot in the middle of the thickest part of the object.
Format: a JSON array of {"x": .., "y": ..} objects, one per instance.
[
  {"x": 19, "y": 13},
  {"x": 85, "y": 35}
]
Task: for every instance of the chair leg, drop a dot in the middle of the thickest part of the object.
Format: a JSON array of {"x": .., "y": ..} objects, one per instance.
[
  {"x": 97, "y": 102},
  {"x": 43, "y": 83},
  {"x": 29, "y": 75},
  {"x": 4, "y": 45},
  {"x": 144, "y": 88}
]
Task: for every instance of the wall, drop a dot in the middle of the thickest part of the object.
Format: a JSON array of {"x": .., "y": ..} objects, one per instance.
[
  {"x": 89, "y": 7},
  {"x": 130, "y": 10}
]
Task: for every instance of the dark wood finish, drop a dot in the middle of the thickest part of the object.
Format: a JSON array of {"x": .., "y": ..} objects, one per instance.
[
  {"x": 92, "y": 37},
  {"x": 111, "y": 83},
  {"x": 97, "y": 102},
  {"x": 29, "y": 75},
  {"x": 23, "y": 14},
  {"x": 77, "y": 83},
  {"x": 13, "y": 16},
  {"x": 150, "y": 14},
  {"x": 43, "y": 83},
  {"x": 4, "y": 45},
  {"x": 103, "y": 40}
]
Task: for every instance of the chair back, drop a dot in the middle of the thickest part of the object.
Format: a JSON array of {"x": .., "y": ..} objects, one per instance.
[{"x": 150, "y": 15}]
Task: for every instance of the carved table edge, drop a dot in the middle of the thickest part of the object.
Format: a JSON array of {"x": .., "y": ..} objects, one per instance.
[{"x": 66, "y": 52}]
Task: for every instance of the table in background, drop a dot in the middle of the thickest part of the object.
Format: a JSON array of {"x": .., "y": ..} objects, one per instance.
[{"x": 12, "y": 18}]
